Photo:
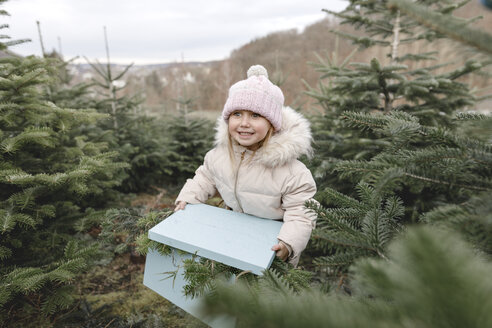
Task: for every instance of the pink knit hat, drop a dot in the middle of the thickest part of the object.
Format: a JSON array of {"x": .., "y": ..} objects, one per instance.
[{"x": 256, "y": 94}]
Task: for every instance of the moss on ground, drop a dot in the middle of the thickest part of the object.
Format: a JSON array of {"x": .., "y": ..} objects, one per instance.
[{"x": 114, "y": 296}]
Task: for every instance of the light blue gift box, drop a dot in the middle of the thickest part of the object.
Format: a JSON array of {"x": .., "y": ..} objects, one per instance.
[{"x": 236, "y": 239}]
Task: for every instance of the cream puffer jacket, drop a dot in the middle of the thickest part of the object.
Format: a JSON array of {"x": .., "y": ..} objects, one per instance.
[{"x": 270, "y": 183}]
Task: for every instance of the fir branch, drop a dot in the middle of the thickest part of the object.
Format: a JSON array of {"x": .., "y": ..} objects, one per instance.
[
  {"x": 446, "y": 25},
  {"x": 125, "y": 70},
  {"x": 296, "y": 278},
  {"x": 445, "y": 182},
  {"x": 364, "y": 42},
  {"x": 344, "y": 259},
  {"x": 359, "y": 120},
  {"x": 418, "y": 57},
  {"x": 60, "y": 275},
  {"x": 274, "y": 283},
  {"x": 354, "y": 240},
  {"x": 33, "y": 282},
  {"x": 144, "y": 244},
  {"x": 377, "y": 227},
  {"x": 350, "y": 216},
  {"x": 387, "y": 180},
  {"x": 41, "y": 136},
  {"x": 201, "y": 275},
  {"x": 425, "y": 281},
  {"x": 9, "y": 219},
  {"x": 394, "y": 207},
  {"x": 464, "y": 116},
  {"x": 444, "y": 213},
  {"x": 331, "y": 196},
  {"x": 58, "y": 299},
  {"x": 367, "y": 235},
  {"x": 382, "y": 172},
  {"x": 5, "y": 253},
  {"x": 472, "y": 218},
  {"x": 69, "y": 267}
]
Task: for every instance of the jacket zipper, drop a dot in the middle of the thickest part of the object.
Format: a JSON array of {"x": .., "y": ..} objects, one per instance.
[{"x": 235, "y": 183}]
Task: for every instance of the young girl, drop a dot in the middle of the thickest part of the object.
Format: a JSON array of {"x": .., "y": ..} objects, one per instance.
[{"x": 254, "y": 164}]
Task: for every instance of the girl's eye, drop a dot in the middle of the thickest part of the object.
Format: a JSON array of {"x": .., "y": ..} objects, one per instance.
[
  {"x": 256, "y": 115},
  {"x": 236, "y": 114}
]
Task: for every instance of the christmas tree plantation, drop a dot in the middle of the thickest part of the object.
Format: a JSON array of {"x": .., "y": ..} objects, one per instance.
[
  {"x": 394, "y": 131},
  {"x": 46, "y": 177}
]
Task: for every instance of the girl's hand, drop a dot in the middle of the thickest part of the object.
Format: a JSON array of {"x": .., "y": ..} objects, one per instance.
[
  {"x": 282, "y": 251},
  {"x": 180, "y": 206}
]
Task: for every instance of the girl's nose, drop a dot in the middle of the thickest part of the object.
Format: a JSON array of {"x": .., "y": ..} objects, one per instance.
[{"x": 245, "y": 121}]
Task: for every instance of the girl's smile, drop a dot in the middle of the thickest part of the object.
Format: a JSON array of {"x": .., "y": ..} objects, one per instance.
[
  {"x": 245, "y": 135},
  {"x": 248, "y": 128}
]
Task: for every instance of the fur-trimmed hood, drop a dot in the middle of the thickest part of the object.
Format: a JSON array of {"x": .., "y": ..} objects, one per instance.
[{"x": 292, "y": 141}]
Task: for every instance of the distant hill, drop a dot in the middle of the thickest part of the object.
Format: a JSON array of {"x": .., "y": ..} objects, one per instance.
[
  {"x": 285, "y": 54},
  {"x": 8, "y": 53}
]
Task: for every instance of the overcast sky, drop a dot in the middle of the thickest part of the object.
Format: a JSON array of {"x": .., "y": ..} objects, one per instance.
[{"x": 153, "y": 31}]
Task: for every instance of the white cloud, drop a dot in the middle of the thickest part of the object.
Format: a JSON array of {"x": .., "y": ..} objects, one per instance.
[{"x": 156, "y": 31}]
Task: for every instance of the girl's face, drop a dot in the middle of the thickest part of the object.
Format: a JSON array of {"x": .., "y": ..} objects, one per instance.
[{"x": 248, "y": 128}]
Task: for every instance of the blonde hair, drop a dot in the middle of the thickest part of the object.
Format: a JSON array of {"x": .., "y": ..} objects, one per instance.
[{"x": 261, "y": 143}]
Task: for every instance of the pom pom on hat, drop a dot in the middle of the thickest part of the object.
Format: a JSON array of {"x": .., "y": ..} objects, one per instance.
[
  {"x": 256, "y": 94},
  {"x": 257, "y": 70}
]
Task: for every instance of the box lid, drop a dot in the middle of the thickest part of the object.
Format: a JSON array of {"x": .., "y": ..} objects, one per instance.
[{"x": 236, "y": 239}]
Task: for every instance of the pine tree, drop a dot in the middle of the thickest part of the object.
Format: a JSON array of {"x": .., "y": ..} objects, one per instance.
[
  {"x": 396, "y": 130},
  {"x": 63, "y": 91},
  {"x": 111, "y": 101},
  {"x": 354, "y": 229},
  {"x": 453, "y": 169},
  {"x": 139, "y": 139},
  {"x": 46, "y": 176},
  {"x": 189, "y": 140},
  {"x": 164, "y": 150},
  {"x": 404, "y": 83},
  {"x": 430, "y": 279}
]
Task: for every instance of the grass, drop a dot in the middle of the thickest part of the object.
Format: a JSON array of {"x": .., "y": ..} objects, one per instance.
[{"x": 116, "y": 297}]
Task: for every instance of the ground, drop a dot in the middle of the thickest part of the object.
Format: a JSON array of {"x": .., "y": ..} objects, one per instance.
[{"x": 113, "y": 295}]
